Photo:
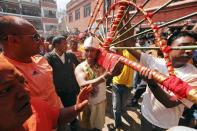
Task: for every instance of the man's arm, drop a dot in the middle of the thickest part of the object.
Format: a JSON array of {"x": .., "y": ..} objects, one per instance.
[
  {"x": 81, "y": 77},
  {"x": 162, "y": 96},
  {"x": 157, "y": 91},
  {"x": 70, "y": 113}
]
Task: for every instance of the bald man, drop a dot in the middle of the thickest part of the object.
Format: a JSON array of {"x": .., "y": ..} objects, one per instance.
[
  {"x": 19, "y": 112},
  {"x": 21, "y": 43}
]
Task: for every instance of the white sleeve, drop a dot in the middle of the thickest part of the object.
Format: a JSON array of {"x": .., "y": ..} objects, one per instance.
[
  {"x": 192, "y": 81},
  {"x": 146, "y": 60}
]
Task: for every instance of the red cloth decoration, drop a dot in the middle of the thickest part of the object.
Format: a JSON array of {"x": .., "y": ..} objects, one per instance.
[
  {"x": 177, "y": 86},
  {"x": 167, "y": 49},
  {"x": 107, "y": 60}
]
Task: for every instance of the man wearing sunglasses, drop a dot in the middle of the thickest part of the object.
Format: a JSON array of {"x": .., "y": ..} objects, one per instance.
[
  {"x": 19, "y": 112},
  {"x": 21, "y": 44}
]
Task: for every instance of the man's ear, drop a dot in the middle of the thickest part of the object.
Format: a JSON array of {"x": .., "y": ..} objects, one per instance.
[{"x": 13, "y": 40}]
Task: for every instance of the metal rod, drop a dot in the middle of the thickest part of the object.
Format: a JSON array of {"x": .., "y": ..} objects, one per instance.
[
  {"x": 132, "y": 17},
  {"x": 112, "y": 19},
  {"x": 163, "y": 6},
  {"x": 101, "y": 34},
  {"x": 157, "y": 48},
  {"x": 106, "y": 14},
  {"x": 161, "y": 26},
  {"x": 102, "y": 27},
  {"x": 106, "y": 21},
  {"x": 98, "y": 39},
  {"x": 121, "y": 20}
]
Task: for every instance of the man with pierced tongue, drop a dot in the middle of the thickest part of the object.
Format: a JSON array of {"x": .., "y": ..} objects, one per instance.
[{"x": 89, "y": 72}]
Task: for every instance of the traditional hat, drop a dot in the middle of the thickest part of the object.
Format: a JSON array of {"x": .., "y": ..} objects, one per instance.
[{"x": 91, "y": 42}]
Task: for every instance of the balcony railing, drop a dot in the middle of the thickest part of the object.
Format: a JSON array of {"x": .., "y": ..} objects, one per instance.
[
  {"x": 10, "y": 7},
  {"x": 49, "y": 14},
  {"x": 51, "y": 27},
  {"x": 35, "y": 2},
  {"x": 50, "y": 1},
  {"x": 16, "y": 1},
  {"x": 15, "y": 8},
  {"x": 49, "y": 20},
  {"x": 29, "y": 10},
  {"x": 37, "y": 24}
]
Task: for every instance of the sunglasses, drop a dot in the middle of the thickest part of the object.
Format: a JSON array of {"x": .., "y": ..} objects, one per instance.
[{"x": 35, "y": 37}]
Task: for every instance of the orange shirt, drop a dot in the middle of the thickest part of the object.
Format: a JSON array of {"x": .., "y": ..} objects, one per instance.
[
  {"x": 79, "y": 54},
  {"x": 44, "y": 117},
  {"x": 38, "y": 75}
]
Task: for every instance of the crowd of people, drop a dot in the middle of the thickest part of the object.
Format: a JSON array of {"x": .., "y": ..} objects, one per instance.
[{"x": 56, "y": 83}]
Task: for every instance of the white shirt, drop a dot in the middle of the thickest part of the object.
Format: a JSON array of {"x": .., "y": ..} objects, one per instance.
[
  {"x": 62, "y": 57},
  {"x": 101, "y": 95},
  {"x": 155, "y": 112}
]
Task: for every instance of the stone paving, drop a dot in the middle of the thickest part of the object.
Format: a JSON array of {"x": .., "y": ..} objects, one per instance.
[{"x": 131, "y": 118}]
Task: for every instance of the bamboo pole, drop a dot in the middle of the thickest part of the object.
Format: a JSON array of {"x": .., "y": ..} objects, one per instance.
[
  {"x": 90, "y": 21},
  {"x": 96, "y": 13}
]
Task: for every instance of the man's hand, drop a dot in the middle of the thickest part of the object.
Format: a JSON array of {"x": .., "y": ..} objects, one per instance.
[
  {"x": 147, "y": 74},
  {"x": 106, "y": 74},
  {"x": 82, "y": 98},
  {"x": 68, "y": 114},
  {"x": 167, "y": 100},
  {"x": 117, "y": 69}
]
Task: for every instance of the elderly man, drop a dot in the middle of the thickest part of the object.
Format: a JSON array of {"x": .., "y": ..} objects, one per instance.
[
  {"x": 19, "y": 112},
  {"x": 88, "y": 72},
  {"x": 21, "y": 43}
]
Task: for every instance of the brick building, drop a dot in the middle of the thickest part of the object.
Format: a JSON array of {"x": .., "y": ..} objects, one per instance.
[
  {"x": 173, "y": 11},
  {"x": 78, "y": 12},
  {"x": 41, "y": 13}
]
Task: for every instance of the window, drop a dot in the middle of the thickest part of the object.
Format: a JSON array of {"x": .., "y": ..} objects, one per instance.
[
  {"x": 10, "y": 7},
  {"x": 36, "y": 23},
  {"x": 70, "y": 17},
  {"x": 32, "y": 1},
  {"x": 52, "y": 1},
  {"x": 30, "y": 10},
  {"x": 51, "y": 27},
  {"x": 87, "y": 10},
  {"x": 77, "y": 14},
  {"x": 36, "y": 1},
  {"x": 50, "y": 13}
]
